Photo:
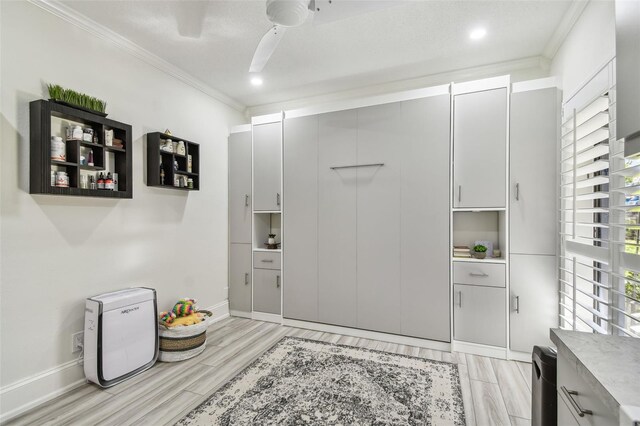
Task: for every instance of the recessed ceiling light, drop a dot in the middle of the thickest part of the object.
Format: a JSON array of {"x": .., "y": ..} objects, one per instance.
[
  {"x": 256, "y": 81},
  {"x": 477, "y": 34}
]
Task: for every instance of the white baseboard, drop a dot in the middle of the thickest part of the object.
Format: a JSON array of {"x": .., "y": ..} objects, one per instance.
[
  {"x": 366, "y": 334},
  {"x": 23, "y": 395},
  {"x": 240, "y": 314},
  {"x": 262, "y": 316},
  {"x": 482, "y": 350},
  {"x": 520, "y": 356}
]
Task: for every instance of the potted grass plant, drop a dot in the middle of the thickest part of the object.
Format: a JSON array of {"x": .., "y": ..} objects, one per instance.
[
  {"x": 479, "y": 251},
  {"x": 77, "y": 100}
]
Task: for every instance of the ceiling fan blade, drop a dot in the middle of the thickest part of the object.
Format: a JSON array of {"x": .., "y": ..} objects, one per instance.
[
  {"x": 335, "y": 10},
  {"x": 190, "y": 16},
  {"x": 266, "y": 47}
]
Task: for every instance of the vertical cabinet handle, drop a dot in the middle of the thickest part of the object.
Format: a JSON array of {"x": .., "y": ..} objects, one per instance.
[
  {"x": 460, "y": 299},
  {"x": 459, "y": 193},
  {"x": 246, "y": 278},
  {"x": 246, "y": 200},
  {"x": 278, "y": 199},
  {"x": 517, "y": 304},
  {"x": 569, "y": 394},
  {"x": 517, "y": 192},
  {"x": 278, "y": 281}
]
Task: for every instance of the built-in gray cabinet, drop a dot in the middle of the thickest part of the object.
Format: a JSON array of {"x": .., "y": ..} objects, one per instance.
[
  {"x": 628, "y": 74},
  {"x": 378, "y": 217},
  {"x": 424, "y": 151},
  {"x": 240, "y": 187},
  {"x": 266, "y": 291},
  {"x": 533, "y": 176},
  {"x": 267, "y": 164},
  {"x": 533, "y": 300},
  {"x": 364, "y": 188},
  {"x": 337, "y": 210},
  {"x": 301, "y": 237},
  {"x": 479, "y": 314},
  {"x": 240, "y": 277},
  {"x": 479, "y": 149}
]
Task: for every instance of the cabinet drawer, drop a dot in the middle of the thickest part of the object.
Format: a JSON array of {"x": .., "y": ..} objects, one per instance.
[
  {"x": 479, "y": 273},
  {"x": 266, "y": 260},
  {"x": 584, "y": 396}
]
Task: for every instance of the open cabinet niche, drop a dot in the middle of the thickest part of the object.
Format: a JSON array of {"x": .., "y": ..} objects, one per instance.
[
  {"x": 469, "y": 227},
  {"x": 263, "y": 225}
]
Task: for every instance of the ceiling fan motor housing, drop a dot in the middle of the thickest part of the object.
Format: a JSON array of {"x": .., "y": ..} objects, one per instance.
[{"x": 287, "y": 13}]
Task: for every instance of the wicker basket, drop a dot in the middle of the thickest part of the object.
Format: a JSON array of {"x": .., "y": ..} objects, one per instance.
[{"x": 180, "y": 343}]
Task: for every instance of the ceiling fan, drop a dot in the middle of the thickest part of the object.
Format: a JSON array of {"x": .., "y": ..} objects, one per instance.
[{"x": 284, "y": 14}]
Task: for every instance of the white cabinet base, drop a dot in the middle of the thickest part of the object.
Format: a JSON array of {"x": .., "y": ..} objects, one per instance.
[{"x": 478, "y": 349}]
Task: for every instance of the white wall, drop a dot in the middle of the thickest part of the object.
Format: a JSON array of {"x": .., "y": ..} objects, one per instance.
[
  {"x": 588, "y": 47},
  {"x": 57, "y": 251}
]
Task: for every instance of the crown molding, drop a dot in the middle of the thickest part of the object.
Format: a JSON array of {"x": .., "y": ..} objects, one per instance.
[
  {"x": 81, "y": 21},
  {"x": 459, "y": 75},
  {"x": 569, "y": 19}
]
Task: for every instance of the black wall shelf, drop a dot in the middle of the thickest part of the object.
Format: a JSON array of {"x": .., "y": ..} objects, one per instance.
[
  {"x": 159, "y": 159},
  {"x": 42, "y": 114}
]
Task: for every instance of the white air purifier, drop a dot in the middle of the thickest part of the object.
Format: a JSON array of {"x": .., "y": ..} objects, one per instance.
[{"x": 120, "y": 335}]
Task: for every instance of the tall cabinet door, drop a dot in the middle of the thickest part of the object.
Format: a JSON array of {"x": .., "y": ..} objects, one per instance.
[
  {"x": 378, "y": 218},
  {"x": 301, "y": 237},
  {"x": 240, "y": 187},
  {"x": 240, "y": 277},
  {"x": 479, "y": 149},
  {"x": 424, "y": 201},
  {"x": 337, "y": 134},
  {"x": 267, "y": 163},
  {"x": 534, "y": 135},
  {"x": 534, "y": 300}
]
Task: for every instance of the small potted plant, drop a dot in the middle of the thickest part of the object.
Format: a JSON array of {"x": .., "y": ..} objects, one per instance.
[{"x": 479, "y": 251}]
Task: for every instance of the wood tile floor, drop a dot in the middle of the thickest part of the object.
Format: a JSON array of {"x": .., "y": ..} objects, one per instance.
[{"x": 495, "y": 392}]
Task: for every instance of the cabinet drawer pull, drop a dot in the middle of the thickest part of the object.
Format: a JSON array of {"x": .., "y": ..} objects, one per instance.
[
  {"x": 517, "y": 304},
  {"x": 246, "y": 278},
  {"x": 267, "y": 260},
  {"x": 246, "y": 200},
  {"x": 478, "y": 274},
  {"x": 278, "y": 281},
  {"x": 517, "y": 192},
  {"x": 353, "y": 166},
  {"x": 569, "y": 394},
  {"x": 459, "y": 193},
  {"x": 460, "y": 299},
  {"x": 277, "y": 198}
]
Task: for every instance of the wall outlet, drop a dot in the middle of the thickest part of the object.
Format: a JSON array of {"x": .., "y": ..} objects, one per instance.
[{"x": 77, "y": 341}]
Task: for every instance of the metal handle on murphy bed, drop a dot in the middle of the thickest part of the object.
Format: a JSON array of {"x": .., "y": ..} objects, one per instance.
[
  {"x": 460, "y": 299},
  {"x": 246, "y": 200},
  {"x": 476, "y": 274},
  {"x": 569, "y": 394},
  {"x": 517, "y": 192},
  {"x": 278, "y": 281},
  {"x": 277, "y": 198},
  {"x": 246, "y": 278},
  {"x": 517, "y": 304},
  {"x": 459, "y": 193},
  {"x": 357, "y": 165}
]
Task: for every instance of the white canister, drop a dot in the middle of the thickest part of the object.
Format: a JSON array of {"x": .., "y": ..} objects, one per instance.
[
  {"x": 182, "y": 150},
  {"x": 58, "y": 149},
  {"x": 62, "y": 180},
  {"x": 77, "y": 133}
]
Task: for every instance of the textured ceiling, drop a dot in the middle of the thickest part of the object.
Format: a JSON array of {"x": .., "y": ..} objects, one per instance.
[{"x": 407, "y": 40}]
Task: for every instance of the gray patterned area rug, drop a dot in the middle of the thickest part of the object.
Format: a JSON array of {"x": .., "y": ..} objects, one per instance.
[{"x": 301, "y": 382}]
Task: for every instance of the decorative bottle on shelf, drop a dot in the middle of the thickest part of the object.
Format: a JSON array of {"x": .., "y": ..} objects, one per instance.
[
  {"x": 108, "y": 182},
  {"x": 90, "y": 160},
  {"x": 101, "y": 181},
  {"x": 161, "y": 175}
]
